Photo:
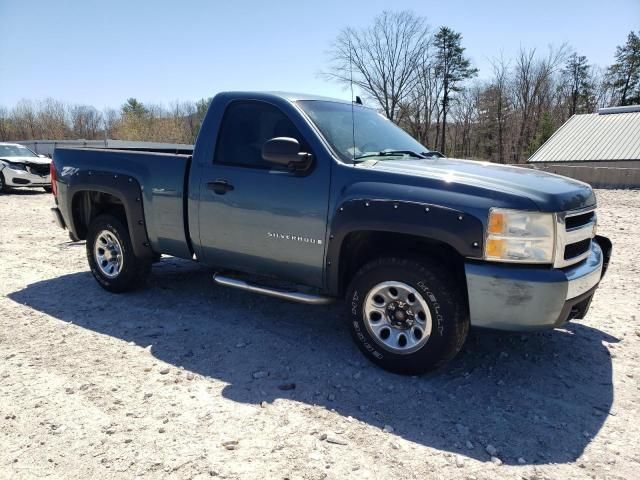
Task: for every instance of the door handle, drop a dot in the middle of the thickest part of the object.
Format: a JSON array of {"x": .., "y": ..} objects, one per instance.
[{"x": 220, "y": 186}]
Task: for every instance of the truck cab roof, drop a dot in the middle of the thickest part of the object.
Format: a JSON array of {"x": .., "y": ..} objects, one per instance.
[{"x": 290, "y": 96}]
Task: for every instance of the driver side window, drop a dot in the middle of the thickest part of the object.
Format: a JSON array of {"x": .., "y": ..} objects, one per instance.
[{"x": 246, "y": 126}]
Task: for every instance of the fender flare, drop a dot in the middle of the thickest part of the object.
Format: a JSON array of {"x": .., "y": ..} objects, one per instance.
[
  {"x": 127, "y": 190},
  {"x": 459, "y": 230}
]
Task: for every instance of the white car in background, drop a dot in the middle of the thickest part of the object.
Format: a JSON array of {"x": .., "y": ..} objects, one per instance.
[{"x": 22, "y": 167}]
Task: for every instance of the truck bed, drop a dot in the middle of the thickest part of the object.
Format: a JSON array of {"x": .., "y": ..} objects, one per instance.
[{"x": 163, "y": 181}]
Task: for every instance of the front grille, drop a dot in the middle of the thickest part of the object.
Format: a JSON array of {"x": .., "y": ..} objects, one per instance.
[
  {"x": 38, "y": 169},
  {"x": 575, "y": 231},
  {"x": 579, "y": 220},
  {"x": 576, "y": 249}
]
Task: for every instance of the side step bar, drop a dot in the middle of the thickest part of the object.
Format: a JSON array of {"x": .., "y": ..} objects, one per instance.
[{"x": 299, "y": 297}]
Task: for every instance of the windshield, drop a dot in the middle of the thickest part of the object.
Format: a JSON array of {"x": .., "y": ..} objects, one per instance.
[
  {"x": 15, "y": 151},
  {"x": 373, "y": 132}
]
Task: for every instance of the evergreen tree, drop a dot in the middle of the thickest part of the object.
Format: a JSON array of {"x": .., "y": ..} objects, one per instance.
[
  {"x": 544, "y": 131},
  {"x": 576, "y": 78},
  {"x": 452, "y": 67},
  {"x": 134, "y": 107},
  {"x": 624, "y": 75}
]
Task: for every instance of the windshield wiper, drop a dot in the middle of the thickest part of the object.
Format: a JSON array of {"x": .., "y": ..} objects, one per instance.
[{"x": 391, "y": 153}]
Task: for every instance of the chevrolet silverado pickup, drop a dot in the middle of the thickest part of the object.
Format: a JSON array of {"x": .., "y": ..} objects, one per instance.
[{"x": 312, "y": 199}]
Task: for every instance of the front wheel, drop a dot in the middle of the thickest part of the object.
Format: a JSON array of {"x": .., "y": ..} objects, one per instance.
[
  {"x": 407, "y": 315},
  {"x": 111, "y": 257}
]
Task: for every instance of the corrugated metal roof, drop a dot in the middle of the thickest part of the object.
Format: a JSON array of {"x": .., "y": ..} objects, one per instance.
[{"x": 593, "y": 137}]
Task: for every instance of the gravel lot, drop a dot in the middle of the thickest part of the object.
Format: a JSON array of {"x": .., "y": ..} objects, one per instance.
[{"x": 189, "y": 380}]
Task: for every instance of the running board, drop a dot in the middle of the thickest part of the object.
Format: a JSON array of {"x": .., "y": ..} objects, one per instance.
[{"x": 299, "y": 297}]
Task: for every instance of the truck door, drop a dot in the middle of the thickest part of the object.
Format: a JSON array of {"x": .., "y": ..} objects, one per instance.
[{"x": 254, "y": 217}]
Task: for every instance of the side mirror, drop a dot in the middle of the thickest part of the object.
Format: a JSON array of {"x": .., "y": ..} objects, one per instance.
[{"x": 285, "y": 152}]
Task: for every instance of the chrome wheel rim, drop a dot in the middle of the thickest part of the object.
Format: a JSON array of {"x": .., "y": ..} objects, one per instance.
[
  {"x": 397, "y": 316},
  {"x": 107, "y": 252}
]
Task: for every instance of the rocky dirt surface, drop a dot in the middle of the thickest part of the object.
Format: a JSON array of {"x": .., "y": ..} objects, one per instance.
[{"x": 185, "y": 379}]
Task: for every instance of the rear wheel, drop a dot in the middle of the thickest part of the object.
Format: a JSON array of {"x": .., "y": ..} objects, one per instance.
[
  {"x": 111, "y": 257},
  {"x": 407, "y": 315}
]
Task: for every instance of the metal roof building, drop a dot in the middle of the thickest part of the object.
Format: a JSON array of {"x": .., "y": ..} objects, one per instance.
[{"x": 610, "y": 137}]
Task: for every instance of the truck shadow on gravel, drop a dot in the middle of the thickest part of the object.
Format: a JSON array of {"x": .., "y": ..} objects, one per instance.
[{"x": 537, "y": 398}]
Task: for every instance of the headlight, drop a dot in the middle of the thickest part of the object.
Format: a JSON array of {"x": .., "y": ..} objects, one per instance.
[
  {"x": 16, "y": 166},
  {"x": 519, "y": 236}
]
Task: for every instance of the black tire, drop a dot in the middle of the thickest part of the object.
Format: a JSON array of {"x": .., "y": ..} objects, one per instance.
[
  {"x": 444, "y": 299},
  {"x": 134, "y": 271},
  {"x": 47, "y": 189}
]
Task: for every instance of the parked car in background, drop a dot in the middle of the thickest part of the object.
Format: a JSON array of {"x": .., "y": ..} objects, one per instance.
[{"x": 22, "y": 167}]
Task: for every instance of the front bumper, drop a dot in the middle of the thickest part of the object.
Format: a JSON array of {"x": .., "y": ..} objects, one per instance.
[
  {"x": 521, "y": 298},
  {"x": 23, "y": 178}
]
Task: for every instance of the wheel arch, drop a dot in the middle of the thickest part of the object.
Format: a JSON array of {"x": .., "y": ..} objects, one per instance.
[
  {"x": 363, "y": 230},
  {"x": 117, "y": 195}
]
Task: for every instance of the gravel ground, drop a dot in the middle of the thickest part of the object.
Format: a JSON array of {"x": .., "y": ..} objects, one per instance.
[{"x": 189, "y": 380}]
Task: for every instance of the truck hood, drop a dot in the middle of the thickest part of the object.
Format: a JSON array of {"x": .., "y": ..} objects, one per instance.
[
  {"x": 548, "y": 191},
  {"x": 34, "y": 160}
]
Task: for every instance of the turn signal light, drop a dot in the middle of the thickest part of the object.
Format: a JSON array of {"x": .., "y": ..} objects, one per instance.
[
  {"x": 496, "y": 222},
  {"x": 495, "y": 247}
]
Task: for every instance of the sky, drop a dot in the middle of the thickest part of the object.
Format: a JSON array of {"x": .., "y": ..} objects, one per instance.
[{"x": 101, "y": 53}]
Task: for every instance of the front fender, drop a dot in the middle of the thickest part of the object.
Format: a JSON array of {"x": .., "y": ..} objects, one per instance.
[{"x": 461, "y": 231}]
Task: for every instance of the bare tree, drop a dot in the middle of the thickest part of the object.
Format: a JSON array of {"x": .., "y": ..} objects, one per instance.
[
  {"x": 111, "y": 119},
  {"x": 5, "y": 124},
  {"x": 382, "y": 58},
  {"x": 500, "y": 87},
  {"x": 422, "y": 105},
  {"x": 86, "y": 122},
  {"x": 25, "y": 122},
  {"x": 52, "y": 118},
  {"x": 469, "y": 118},
  {"x": 532, "y": 87}
]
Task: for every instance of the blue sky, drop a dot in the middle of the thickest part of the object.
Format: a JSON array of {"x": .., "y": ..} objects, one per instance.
[{"x": 101, "y": 53}]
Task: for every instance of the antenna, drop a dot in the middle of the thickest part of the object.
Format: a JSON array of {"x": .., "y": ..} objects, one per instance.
[{"x": 353, "y": 121}]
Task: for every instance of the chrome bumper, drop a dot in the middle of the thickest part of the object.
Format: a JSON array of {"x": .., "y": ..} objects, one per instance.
[{"x": 517, "y": 298}]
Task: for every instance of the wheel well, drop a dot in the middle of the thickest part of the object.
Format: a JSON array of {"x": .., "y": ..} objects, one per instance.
[
  {"x": 87, "y": 205},
  {"x": 361, "y": 247}
]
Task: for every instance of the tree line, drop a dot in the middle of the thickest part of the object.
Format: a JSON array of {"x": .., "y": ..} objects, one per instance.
[
  {"x": 55, "y": 120},
  {"x": 420, "y": 78}
]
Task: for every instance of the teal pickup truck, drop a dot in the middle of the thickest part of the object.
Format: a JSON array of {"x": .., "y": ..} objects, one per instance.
[{"x": 324, "y": 199}]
